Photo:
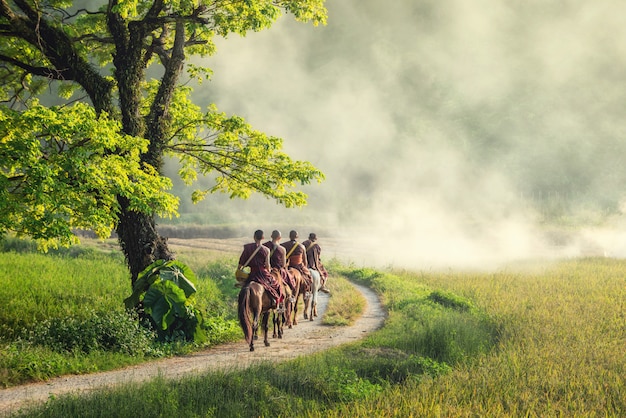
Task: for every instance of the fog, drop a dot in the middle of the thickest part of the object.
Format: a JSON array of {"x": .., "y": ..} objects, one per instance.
[{"x": 451, "y": 133}]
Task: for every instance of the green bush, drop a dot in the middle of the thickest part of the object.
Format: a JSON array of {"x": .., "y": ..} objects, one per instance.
[{"x": 97, "y": 331}]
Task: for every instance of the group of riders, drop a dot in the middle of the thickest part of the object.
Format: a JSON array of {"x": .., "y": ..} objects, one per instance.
[{"x": 263, "y": 257}]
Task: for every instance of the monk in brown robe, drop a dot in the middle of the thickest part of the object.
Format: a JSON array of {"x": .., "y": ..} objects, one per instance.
[
  {"x": 277, "y": 259},
  {"x": 260, "y": 267},
  {"x": 296, "y": 257},
  {"x": 314, "y": 261}
]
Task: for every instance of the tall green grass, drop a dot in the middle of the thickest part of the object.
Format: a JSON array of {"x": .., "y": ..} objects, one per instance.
[
  {"x": 36, "y": 287},
  {"x": 415, "y": 344},
  {"x": 536, "y": 340},
  {"x": 63, "y": 313}
]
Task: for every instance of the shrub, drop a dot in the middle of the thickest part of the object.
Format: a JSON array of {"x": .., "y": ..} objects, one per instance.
[
  {"x": 164, "y": 290},
  {"x": 97, "y": 331}
]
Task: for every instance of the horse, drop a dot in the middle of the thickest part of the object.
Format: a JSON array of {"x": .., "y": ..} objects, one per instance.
[
  {"x": 310, "y": 302},
  {"x": 279, "y": 314},
  {"x": 254, "y": 300},
  {"x": 291, "y": 311}
]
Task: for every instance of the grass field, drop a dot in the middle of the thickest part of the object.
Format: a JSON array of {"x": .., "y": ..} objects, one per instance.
[{"x": 531, "y": 340}]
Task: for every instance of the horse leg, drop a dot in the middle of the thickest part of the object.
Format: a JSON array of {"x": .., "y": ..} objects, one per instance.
[
  {"x": 244, "y": 316},
  {"x": 288, "y": 309},
  {"x": 278, "y": 319},
  {"x": 315, "y": 286},
  {"x": 289, "y": 313},
  {"x": 264, "y": 325},
  {"x": 313, "y": 304},
  {"x": 295, "y": 311},
  {"x": 308, "y": 307},
  {"x": 282, "y": 325},
  {"x": 255, "y": 329},
  {"x": 278, "y": 325},
  {"x": 274, "y": 318}
]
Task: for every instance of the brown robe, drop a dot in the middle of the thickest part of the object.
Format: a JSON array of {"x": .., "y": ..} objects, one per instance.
[
  {"x": 278, "y": 261},
  {"x": 258, "y": 269},
  {"x": 297, "y": 260},
  {"x": 314, "y": 261}
]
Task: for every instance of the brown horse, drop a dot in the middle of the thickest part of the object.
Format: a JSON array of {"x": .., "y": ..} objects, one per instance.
[
  {"x": 254, "y": 301},
  {"x": 301, "y": 289},
  {"x": 279, "y": 314}
]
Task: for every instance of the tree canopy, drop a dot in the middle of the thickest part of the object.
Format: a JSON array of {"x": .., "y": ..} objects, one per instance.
[{"x": 84, "y": 131}]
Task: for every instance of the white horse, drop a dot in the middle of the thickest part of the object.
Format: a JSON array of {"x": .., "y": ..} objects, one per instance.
[{"x": 310, "y": 302}]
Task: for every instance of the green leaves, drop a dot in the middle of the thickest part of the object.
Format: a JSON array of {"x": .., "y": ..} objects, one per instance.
[
  {"x": 238, "y": 158},
  {"x": 63, "y": 168},
  {"x": 164, "y": 301},
  {"x": 66, "y": 167},
  {"x": 166, "y": 289}
]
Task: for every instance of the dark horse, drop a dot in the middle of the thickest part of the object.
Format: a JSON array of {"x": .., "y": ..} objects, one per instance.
[{"x": 254, "y": 301}]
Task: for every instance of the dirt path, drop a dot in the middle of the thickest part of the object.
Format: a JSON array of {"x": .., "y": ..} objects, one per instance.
[{"x": 304, "y": 338}]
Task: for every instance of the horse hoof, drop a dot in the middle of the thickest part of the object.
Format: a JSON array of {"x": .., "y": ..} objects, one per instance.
[
  {"x": 267, "y": 343},
  {"x": 251, "y": 348},
  {"x": 256, "y": 337}
]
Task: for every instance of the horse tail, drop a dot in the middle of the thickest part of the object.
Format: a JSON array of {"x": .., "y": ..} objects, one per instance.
[{"x": 244, "y": 316}]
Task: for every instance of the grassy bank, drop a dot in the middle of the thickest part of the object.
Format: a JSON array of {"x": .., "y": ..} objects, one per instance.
[
  {"x": 534, "y": 340},
  {"x": 64, "y": 311}
]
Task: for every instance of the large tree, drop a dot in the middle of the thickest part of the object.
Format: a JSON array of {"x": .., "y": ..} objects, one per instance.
[{"x": 84, "y": 131}]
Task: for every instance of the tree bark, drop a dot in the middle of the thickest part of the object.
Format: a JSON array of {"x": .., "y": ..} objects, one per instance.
[
  {"x": 139, "y": 240},
  {"x": 137, "y": 232}
]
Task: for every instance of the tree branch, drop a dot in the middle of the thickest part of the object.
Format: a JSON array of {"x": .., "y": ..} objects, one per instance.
[{"x": 51, "y": 73}]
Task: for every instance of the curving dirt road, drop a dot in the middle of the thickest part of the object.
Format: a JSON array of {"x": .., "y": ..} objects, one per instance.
[{"x": 304, "y": 338}]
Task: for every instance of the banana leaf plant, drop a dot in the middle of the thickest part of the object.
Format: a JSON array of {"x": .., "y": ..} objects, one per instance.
[{"x": 165, "y": 290}]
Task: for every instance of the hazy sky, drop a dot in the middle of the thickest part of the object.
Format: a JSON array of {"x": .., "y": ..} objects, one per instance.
[{"x": 438, "y": 124}]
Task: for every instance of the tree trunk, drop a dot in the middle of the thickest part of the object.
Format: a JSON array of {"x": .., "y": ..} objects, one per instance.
[
  {"x": 137, "y": 233},
  {"x": 140, "y": 240}
]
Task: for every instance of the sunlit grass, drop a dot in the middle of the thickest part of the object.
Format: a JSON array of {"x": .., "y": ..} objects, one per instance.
[
  {"x": 322, "y": 383},
  {"x": 560, "y": 352},
  {"x": 345, "y": 305},
  {"x": 63, "y": 313},
  {"x": 536, "y": 340},
  {"x": 37, "y": 287}
]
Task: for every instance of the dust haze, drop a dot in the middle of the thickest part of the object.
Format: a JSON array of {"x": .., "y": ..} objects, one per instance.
[{"x": 451, "y": 133}]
